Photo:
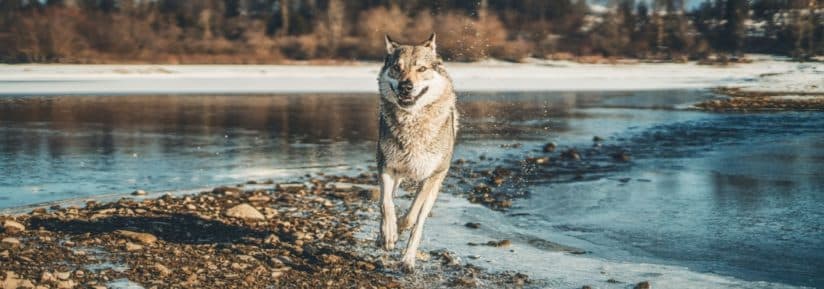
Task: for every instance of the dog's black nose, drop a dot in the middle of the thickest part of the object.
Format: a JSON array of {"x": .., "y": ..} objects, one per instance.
[{"x": 404, "y": 87}]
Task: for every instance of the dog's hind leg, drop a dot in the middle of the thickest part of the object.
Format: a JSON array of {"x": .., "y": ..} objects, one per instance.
[
  {"x": 389, "y": 230},
  {"x": 429, "y": 192}
]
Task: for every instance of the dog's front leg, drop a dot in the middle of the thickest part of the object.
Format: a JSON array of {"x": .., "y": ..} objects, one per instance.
[
  {"x": 430, "y": 189},
  {"x": 389, "y": 230}
]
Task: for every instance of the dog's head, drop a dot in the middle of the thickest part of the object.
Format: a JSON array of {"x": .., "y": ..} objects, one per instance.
[{"x": 412, "y": 75}]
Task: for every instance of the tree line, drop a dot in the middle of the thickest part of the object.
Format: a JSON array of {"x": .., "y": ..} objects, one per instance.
[{"x": 271, "y": 31}]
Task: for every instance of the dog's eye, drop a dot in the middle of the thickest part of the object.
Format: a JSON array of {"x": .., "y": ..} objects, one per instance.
[
  {"x": 396, "y": 67},
  {"x": 422, "y": 69}
]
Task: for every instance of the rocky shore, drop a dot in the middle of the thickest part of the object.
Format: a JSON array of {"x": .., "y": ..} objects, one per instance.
[
  {"x": 740, "y": 100},
  {"x": 301, "y": 235}
]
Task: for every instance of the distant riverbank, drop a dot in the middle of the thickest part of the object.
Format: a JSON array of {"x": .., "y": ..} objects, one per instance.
[{"x": 763, "y": 73}]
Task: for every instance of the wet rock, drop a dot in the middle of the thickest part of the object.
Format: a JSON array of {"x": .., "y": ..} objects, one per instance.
[
  {"x": 549, "y": 147},
  {"x": 465, "y": 281},
  {"x": 643, "y": 285},
  {"x": 500, "y": 244},
  {"x": 12, "y": 226},
  {"x": 423, "y": 256},
  {"x": 586, "y": 287},
  {"x": 597, "y": 139},
  {"x": 144, "y": 238},
  {"x": 245, "y": 212},
  {"x": 539, "y": 160},
  {"x": 290, "y": 187},
  {"x": 271, "y": 239},
  {"x": 571, "y": 154},
  {"x": 67, "y": 284},
  {"x": 139, "y": 193},
  {"x": 621, "y": 156},
  {"x": 131, "y": 247},
  {"x": 63, "y": 275},
  {"x": 12, "y": 280},
  {"x": 259, "y": 199},
  {"x": 10, "y": 243},
  {"x": 227, "y": 191},
  {"x": 473, "y": 225}
]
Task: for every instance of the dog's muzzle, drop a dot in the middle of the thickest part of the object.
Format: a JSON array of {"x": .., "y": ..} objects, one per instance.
[{"x": 404, "y": 92}]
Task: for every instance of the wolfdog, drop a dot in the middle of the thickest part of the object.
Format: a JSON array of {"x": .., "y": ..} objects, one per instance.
[{"x": 417, "y": 130}]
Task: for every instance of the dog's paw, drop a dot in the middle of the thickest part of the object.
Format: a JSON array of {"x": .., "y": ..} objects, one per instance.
[
  {"x": 403, "y": 224},
  {"x": 389, "y": 235},
  {"x": 408, "y": 264}
]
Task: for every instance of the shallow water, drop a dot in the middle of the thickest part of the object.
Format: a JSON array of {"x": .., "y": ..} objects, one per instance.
[{"x": 733, "y": 194}]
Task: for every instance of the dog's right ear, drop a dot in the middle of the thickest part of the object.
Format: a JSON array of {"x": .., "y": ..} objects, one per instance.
[{"x": 391, "y": 45}]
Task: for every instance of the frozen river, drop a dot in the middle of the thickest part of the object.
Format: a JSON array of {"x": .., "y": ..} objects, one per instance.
[{"x": 718, "y": 200}]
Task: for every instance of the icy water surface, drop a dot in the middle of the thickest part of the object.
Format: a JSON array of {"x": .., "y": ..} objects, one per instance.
[{"x": 738, "y": 195}]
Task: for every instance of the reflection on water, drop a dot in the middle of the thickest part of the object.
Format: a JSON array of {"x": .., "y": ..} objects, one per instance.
[
  {"x": 75, "y": 146},
  {"x": 734, "y": 194}
]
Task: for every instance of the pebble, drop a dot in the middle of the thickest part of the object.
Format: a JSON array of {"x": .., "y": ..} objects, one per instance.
[
  {"x": 571, "y": 154},
  {"x": 467, "y": 281},
  {"x": 11, "y": 226},
  {"x": 139, "y": 193},
  {"x": 13, "y": 281},
  {"x": 621, "y": 156},
  {"x": 549, "y": 147},
  {"x": 473, "y": 225},
  {"x": 423, "y": 256},
  {"x": 643, "y": 285},
  {"x": 245, "y": 212},
  {"x": 10, "y": 242},
  {"x": 289, "y": 187},
  {"x": 271, "y": 239},
  {"x": 63, "y": 275},
  {"x": 145, "y": 238},
  {"x": 131, "y": 247},
  {"x": 259, "y": 199},
  {"x": 227, "y": 191},
  {"x": 68, "y": 284}
]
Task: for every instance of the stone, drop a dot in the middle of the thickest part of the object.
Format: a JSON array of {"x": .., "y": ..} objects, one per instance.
[
  {"x": 12, "y": 226},
  {"x": 162, "y": 269},
  {"x": 131, "y": 247},
  {"x": 228, "y": 191},
  {"x": 139, "y": 193},
  {"x": 10, "y": 243},
  {"x": 423, "y": 256},
  {"x": 269, "y": 213},
  {"x": 473, "y": 225},
  {"x": 63, "y": 275},
  {"x": 68, "y": 284},
  {"x": 643, "y": 285},
  {"x": 144, "y": 238},
  {"x": 549, "y": 147},
  {"x": 245, "y": 212},
  {"x": 259, "y": 199},
  {"x": 290, "y": 187},
  {"x": 271, "y": 239}
]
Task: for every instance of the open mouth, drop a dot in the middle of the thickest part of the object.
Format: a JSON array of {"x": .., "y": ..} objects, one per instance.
[{"x": 407, "y": 99}]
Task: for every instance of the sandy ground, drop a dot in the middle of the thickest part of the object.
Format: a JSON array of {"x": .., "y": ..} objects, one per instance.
[{"x": 764, "y": 73}]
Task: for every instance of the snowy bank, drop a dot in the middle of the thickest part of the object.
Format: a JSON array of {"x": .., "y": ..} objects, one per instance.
[{"x": 37, "y": 79}]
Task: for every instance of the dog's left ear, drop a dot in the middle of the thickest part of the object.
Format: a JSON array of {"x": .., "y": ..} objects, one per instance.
[{"x": 430, "y": 42}]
